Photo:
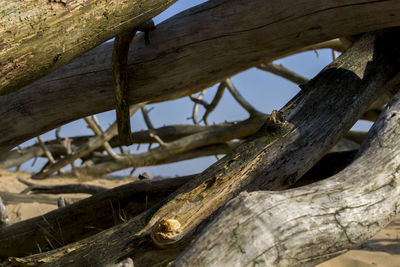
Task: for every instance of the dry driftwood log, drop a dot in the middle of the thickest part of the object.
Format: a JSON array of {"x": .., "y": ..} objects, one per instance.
[
  {"x": 273, "y": 159},
  {"x": 308, "y": 225},
  {"x": 29, "y": 231},
  {"x": 61, "y": 189},
  {"x": 83, "y": 218},
  {"x": 231, "y": 37},
  {"x": 15, "y": 198},
  {"x": 37, "y": 37}
]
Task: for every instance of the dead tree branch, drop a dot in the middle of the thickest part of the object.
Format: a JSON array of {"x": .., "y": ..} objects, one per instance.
[
  {"x": 283, "y": 72},
  {"x": 84, "y": 218},
  {"x": 275, "y": 158},
  {"x": 61, "y": 189},
  {"x": 86, "y": 148},
  {"x": 240, "y": 99},
  {"x": 281, "y": 227},
  {"x": 210, "y": 108},
  {"x": 64, "y": 30},
  {"x": 176, "y": 45}
]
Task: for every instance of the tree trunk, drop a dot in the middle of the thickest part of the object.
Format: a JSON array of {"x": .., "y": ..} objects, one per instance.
[
  {"x": 209, "y": 42},
  {"x": 308, "y": 225},
  {"x": 38, "y": 37},
  {"x": 275, "y": 158}
]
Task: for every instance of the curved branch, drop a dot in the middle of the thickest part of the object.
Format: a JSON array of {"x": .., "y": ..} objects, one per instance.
[
  {"x": 240, "y": 37},
  {"x": 210, "y": 108},
  {"x": 168, "y": 151},
  {"x": 305, "y": 226},
  {"x": 273, "y": 159}
]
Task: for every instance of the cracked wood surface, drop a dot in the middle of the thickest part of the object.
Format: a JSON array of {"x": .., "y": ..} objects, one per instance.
[
  {"x": 38, "y": 37},
  {"x": 188, "y": 52},
  {"x": 273, "y": 159},
  {"x": 308, "y": 225},
  {"x": 83, "y": 218}
]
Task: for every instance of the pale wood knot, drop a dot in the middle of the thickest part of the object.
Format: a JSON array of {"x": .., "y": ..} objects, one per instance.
[
  {"x": 275, "y": 118},
  {"x": 166, "y": 232}
]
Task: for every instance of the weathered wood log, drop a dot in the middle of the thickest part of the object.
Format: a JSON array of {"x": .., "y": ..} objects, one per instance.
[
  {"x": 37, "y": 37},
  {"x": 305, "y": 226},
  {"x": 273, "y": 159},
  {"x": 61, "y": 189},
  {"x": 83, "y": 218},
  {"x": 231, "y": 37},
  {"x": 15, "y": 198},
  {"x": 4, "y": 221}
]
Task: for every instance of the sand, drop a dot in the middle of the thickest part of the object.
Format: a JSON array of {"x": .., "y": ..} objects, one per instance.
[{"x": 383, "y": 250}]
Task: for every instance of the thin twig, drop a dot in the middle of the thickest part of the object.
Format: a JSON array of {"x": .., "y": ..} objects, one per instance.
[
  {"x": 196, "y": 105},
  {"x": 218, "y": 95},
  {"x": 158, "y": 139},
  {"x": 240, "y": 99},
  {"x": 283, "y": 72},
  {"x": 45, "y": 150},
  {"x": 91, "y": 122},
  {"x": 92, "y": 144},
  {"x": 146, "y": 117}
]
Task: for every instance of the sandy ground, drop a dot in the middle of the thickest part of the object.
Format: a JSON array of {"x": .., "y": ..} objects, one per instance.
[{"x": 383, "y": 250}]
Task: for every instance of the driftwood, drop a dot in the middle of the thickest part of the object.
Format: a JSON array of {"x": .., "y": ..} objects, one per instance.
[
  {"x": 83, "y": 218},
  {"x": 251, "y": 34},
  {"x": 38, "y": 37},
  {"x": 275, "y": 158},
  {"x": 305, "y": 226},
  {"x": 4, "y": 221},
  {"x": 61, "y": 189},
  {"x": 324, "y": 168},
  {"x": 166, "y": 133},
  {"x": 14, "y": 198}
]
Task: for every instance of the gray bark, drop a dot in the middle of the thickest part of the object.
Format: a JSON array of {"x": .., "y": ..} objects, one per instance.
[
  {"x": 307, "y": 225},
  {"x": 232, "y": 36},
  {"x": 81, "y": 219},
  {"x": 273, "y": 159}
]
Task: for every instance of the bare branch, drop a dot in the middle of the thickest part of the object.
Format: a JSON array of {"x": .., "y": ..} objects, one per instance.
[
  {"x": 98, "y": 131},
  {"x": 158, "y": 139},
  {"x": 214, "y": 102},
  {"x": 146, "y": 118},
  {"x": 22, "y": 57},
  {"x": 283, "y": 72},
  {"x": 305, "y": 226},
  {"x": 91, "y": 145},
  {"x": 176, "y": 64},
  {"x": 239, "y": 98},
  {"x": 61, "y": 189},
  {"x": 15, "y": 198},
  {"x": 213, "y": 135},
  {"x": 197, "y": 101},
  {"x": 45, "y": 150}
]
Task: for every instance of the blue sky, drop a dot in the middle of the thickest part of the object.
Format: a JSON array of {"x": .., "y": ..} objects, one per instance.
[{"x": 265, "y": 91}]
